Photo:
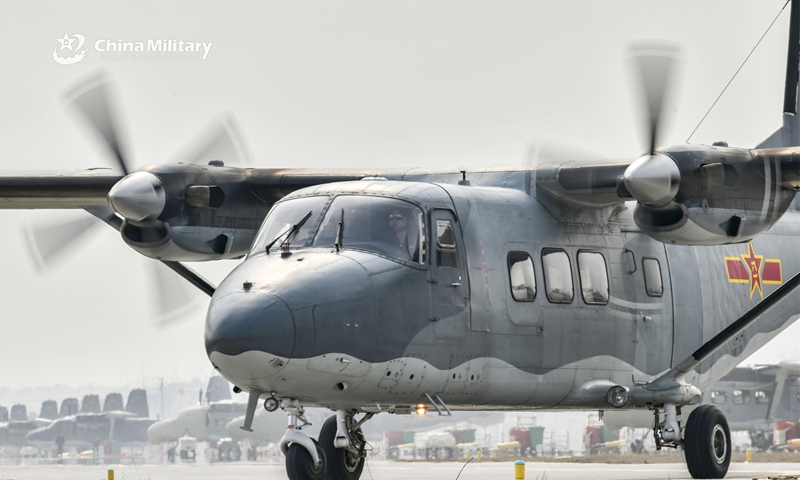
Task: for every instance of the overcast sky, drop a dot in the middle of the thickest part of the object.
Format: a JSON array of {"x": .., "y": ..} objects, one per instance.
[{"x": 347, "y": 84}]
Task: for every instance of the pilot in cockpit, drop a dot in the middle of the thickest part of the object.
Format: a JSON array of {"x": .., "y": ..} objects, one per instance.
[{"x": 403, "y": 234}]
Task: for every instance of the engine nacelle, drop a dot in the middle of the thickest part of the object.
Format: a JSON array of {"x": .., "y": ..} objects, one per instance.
[
  {"x": 725, "y": 195},
  {"x": 189, "y": 212},
  {"x": 185, "y": 243}
]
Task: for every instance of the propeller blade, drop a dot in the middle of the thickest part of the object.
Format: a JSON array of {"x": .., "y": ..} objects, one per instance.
[
  {"x": 222, "y": 140},
  {"x": 175, "y": 299},
  {"x": 47, "y": 243},
  {"x": 91, "y": 97},
  {"x": 654, "y": 62}
]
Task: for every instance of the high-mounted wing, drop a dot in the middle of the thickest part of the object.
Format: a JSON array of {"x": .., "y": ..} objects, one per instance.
[{"x": 80, "y": 190}]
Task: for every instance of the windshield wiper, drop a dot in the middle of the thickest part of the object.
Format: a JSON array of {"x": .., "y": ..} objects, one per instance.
[
  {"x": 340, "y": 232},
  {"x": 289, "y": 234}
]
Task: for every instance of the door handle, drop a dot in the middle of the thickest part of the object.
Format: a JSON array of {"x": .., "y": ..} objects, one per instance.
[{"x": 456, "y": 284}]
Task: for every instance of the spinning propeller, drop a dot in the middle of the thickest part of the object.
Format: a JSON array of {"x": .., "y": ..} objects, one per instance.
[
  {"x": 138, "y": 197},
  {"x": 653, "y": 179}
]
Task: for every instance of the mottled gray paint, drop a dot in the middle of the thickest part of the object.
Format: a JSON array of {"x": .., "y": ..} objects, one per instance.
[{"x": 380, "y": 311}]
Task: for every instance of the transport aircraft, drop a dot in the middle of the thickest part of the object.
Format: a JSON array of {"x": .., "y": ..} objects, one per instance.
[
  {"x": 555, "y": 285},
  {"x": 85, "y": 429}
]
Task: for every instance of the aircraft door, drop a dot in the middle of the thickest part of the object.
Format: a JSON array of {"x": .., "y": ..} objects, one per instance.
[
  {"x": 449, "y": 281},
  {"x": 650, "y": 302}
]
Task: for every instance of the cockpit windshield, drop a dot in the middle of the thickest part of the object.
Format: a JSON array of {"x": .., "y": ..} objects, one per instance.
[
  {"x": 390, "y": 227},
  {"x": 284, "y": 216}
]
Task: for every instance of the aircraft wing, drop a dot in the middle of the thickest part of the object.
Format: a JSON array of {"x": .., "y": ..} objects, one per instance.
[
  {"x": 73, "y": 190},
  {"x": 584, "y": 185}
]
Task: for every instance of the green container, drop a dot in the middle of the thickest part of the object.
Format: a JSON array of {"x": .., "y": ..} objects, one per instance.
[
  {"x": 114, "y": 450},
  {"x": 408, "y": 436},
  {"x": 468, "y": 435},
  {"x": 608, "y": 434},
  {"x": 537, "y": 436}
]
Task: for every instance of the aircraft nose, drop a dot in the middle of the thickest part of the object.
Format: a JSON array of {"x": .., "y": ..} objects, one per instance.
[{"x": 249, "y": 321}]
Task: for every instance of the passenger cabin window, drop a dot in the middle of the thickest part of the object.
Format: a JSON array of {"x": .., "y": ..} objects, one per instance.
[
  {"x": 283, "y": 217},
  {"x": 557, "y": 276},
  {"x": 594, "y": 278},
  {"x": 762, "y": 397},
  {"x": 520, "y": 271},
  {"x": 652, "y": 277},
  {"x": 719, "y": 397},
  {"x": 741, "y": 397},
  {"x": 446, "y": 252},
  {"x": 386, "y": 226}
]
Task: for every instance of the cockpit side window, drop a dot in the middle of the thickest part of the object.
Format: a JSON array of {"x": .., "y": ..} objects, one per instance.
[
  {"x": 387, "y": 226},
  {"x": 286, "y": 214},
  {"x": 446, "y": 251},
  {"x": 557, "y": 275}
]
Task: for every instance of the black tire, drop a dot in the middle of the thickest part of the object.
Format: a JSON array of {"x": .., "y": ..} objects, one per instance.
[
  {"x": 300, "y": 465},
  {"x": 342, "y": 464},
  {"x": 707, "y": 443}
]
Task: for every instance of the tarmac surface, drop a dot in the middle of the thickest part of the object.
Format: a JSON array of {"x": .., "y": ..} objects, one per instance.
[{"x": 382, "y": 470}]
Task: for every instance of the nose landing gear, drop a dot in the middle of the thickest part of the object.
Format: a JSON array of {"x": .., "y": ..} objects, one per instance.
[
  {"x": 340, "y": 453},
  {"x": 344, "y": 445},
  {"x": 305, "y": 460},
  {"x": 300, "y": 465}
]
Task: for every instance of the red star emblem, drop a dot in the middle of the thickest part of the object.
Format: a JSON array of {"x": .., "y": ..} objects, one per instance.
[{"x": 753, "y": 263}]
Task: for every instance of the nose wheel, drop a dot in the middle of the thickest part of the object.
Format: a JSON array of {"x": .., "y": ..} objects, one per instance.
[
  {"x": 301, "y": 466},
  {"x": 344, "y": 445},
  {"x": 707, "y": 443}
]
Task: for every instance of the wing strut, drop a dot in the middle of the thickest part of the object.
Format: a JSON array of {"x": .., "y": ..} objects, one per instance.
[
  {"x": 672, "y": 380},
  {"x": 193, "y": 277},
  {"x": 106, "y": 214},
  {"x": 735, "y": 328}
]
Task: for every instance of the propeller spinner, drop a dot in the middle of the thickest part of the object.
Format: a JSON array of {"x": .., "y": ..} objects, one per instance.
[{"x": 139, "y": 197}]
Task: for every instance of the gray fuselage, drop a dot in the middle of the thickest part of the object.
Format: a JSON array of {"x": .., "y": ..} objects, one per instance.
[{"x": 358, "y": 328}]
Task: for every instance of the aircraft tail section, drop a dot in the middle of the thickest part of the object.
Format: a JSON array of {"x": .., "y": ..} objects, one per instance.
[
  {"x": 789, "y": 134},
  {"x": 137, "y": 403}
]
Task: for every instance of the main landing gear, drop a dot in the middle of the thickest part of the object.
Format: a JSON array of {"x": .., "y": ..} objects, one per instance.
[
  {"x": 706, "y": 440},
  {"x": 340, "y": 453}
]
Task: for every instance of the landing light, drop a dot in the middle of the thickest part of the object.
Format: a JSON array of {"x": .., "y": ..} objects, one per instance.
[
  {"x": 271, "y": 404},
  {"x": 617, "y": 396},
  {"x": 421, "y": 409}
]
